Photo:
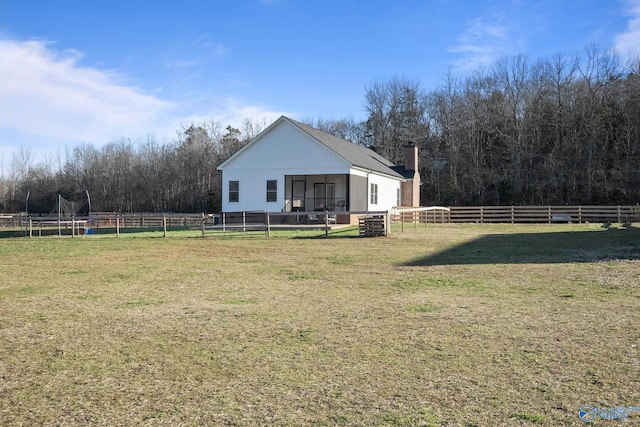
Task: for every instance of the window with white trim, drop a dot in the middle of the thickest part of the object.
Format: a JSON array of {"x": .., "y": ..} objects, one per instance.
[
  {"x": 234, "y": 191},
  {"x": 272, "y": 190},
  {"x": 374, "y": 194}
]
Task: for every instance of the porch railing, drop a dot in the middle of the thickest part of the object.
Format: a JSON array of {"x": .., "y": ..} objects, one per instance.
[{"x": 311, "y": 204}]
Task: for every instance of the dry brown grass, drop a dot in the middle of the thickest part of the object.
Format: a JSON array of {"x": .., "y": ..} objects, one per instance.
[{"x": 443, "y": 325}]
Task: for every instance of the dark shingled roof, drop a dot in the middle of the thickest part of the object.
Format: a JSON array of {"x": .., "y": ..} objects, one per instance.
[
  {"x": 357, "y": 155},
  {"x": 407, "y": 173}
]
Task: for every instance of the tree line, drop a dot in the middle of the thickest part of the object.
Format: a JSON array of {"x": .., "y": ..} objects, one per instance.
[
  {"x": 122, "y": 176},
  {"x": 564, "y": 129},
  {"x": 560, "y": 130}
]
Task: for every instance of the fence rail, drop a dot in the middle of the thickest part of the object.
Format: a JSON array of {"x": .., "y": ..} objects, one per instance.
[
  {"x": 545, "y": 214},
  {"x": 259, "y": 221},
  {"x": 431, "y": 214},
  {"x": 109, "y": 219},
  {"x": 264, "y": 222},
  {"x": 111, "y": 223},
  {"x": 517, "y": 214},
  {"x": 76, "y": 225}
]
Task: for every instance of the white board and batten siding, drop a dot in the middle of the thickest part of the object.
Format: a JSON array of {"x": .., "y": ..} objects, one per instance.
[
  {"x": 388, "y": 189},
  {"x": 287, "y": 150}
]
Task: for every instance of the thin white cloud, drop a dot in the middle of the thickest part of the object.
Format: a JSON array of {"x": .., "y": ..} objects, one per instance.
[
  {"x": 48, "y": 94},
  {"x": 49, "y": 102},
  {"x": 232, "y": 112},
  {"x": 237, "y": 114},
  {"x": 482, "y": 42},
  {"x": 221, "y": 50},
  {"x": 205, "y": 48},
  {"x": 206, "y": 41},
  {"x": 183, "y": 64},
  {"x": 628, "y": 42}
]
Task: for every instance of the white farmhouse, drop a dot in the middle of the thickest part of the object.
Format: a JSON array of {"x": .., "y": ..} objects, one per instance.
[{"x": 291, "y": 167}]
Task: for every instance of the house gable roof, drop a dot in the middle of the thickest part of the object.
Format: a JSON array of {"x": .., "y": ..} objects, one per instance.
[{"x": 358, "y": 156}]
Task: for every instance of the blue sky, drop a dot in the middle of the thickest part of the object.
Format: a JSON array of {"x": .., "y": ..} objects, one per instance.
[{"x": 97, "y": 71}]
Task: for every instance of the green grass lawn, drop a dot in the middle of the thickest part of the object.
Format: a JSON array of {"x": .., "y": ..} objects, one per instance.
[{"x": 447, "y": 325}]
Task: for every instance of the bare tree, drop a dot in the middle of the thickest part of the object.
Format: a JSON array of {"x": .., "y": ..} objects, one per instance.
[
  {"x": 396, "y": 116},
  {"x": 21, "y": 163},
  {"x": 345, "y": 128}
]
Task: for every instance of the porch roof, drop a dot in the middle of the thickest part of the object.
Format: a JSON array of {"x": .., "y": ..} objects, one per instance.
[{"x": 358, "y": 156}]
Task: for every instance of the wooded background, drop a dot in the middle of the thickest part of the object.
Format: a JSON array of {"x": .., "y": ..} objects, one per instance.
[{"x": 559, "y": 130}]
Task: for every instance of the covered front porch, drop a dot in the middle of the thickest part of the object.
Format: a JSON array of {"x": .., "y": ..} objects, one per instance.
[{"x": 318, "y": 193}]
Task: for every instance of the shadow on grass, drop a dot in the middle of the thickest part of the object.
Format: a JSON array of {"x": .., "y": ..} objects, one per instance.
[
  {"x": 5, "y": 234},
  {"x": 542, "y": 248}
]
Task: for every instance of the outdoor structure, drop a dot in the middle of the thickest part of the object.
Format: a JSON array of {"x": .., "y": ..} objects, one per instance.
[
  {"x": 291, "y": 167},
  {"x": 411, "y": 184}
]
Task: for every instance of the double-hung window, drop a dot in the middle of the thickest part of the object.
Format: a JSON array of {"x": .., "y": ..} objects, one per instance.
[
  {"x": 374, "y": 194},
  {"x": 272, "y": 190},
  {"x": 234, "y": 191}
]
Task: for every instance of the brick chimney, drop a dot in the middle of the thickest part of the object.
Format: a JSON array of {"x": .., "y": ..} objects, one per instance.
[
  {"x": 411, "y": 157},
  {"x": 410, "y": 188}
]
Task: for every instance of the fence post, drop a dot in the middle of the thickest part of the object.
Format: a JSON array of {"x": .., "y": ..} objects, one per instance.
[
  {"x": 117, "y": 225},
  {"x": 244, "y": 221},
  {"x": 326, "y": 224},
  {"x": 268, "y": 225},
  {"x": 580, "y": 214},
  {"x": 387, "y": 223},
  {"x": 619, "y": 219},
  {"x": 549, "y": 217},
  {"x": 513, "y": 219},
  {"x": 203, "y": 219},
  {"x": 481, "y": 214},
  {"x": 164, "y": 226},
  {"x": 30, "y": 228}
]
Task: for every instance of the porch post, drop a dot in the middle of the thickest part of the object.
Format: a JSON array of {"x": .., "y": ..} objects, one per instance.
[
  {"x": 324, "y": 196},
  {"x": 288, "y": 200},
  {"x": 347, "y": 203}
]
